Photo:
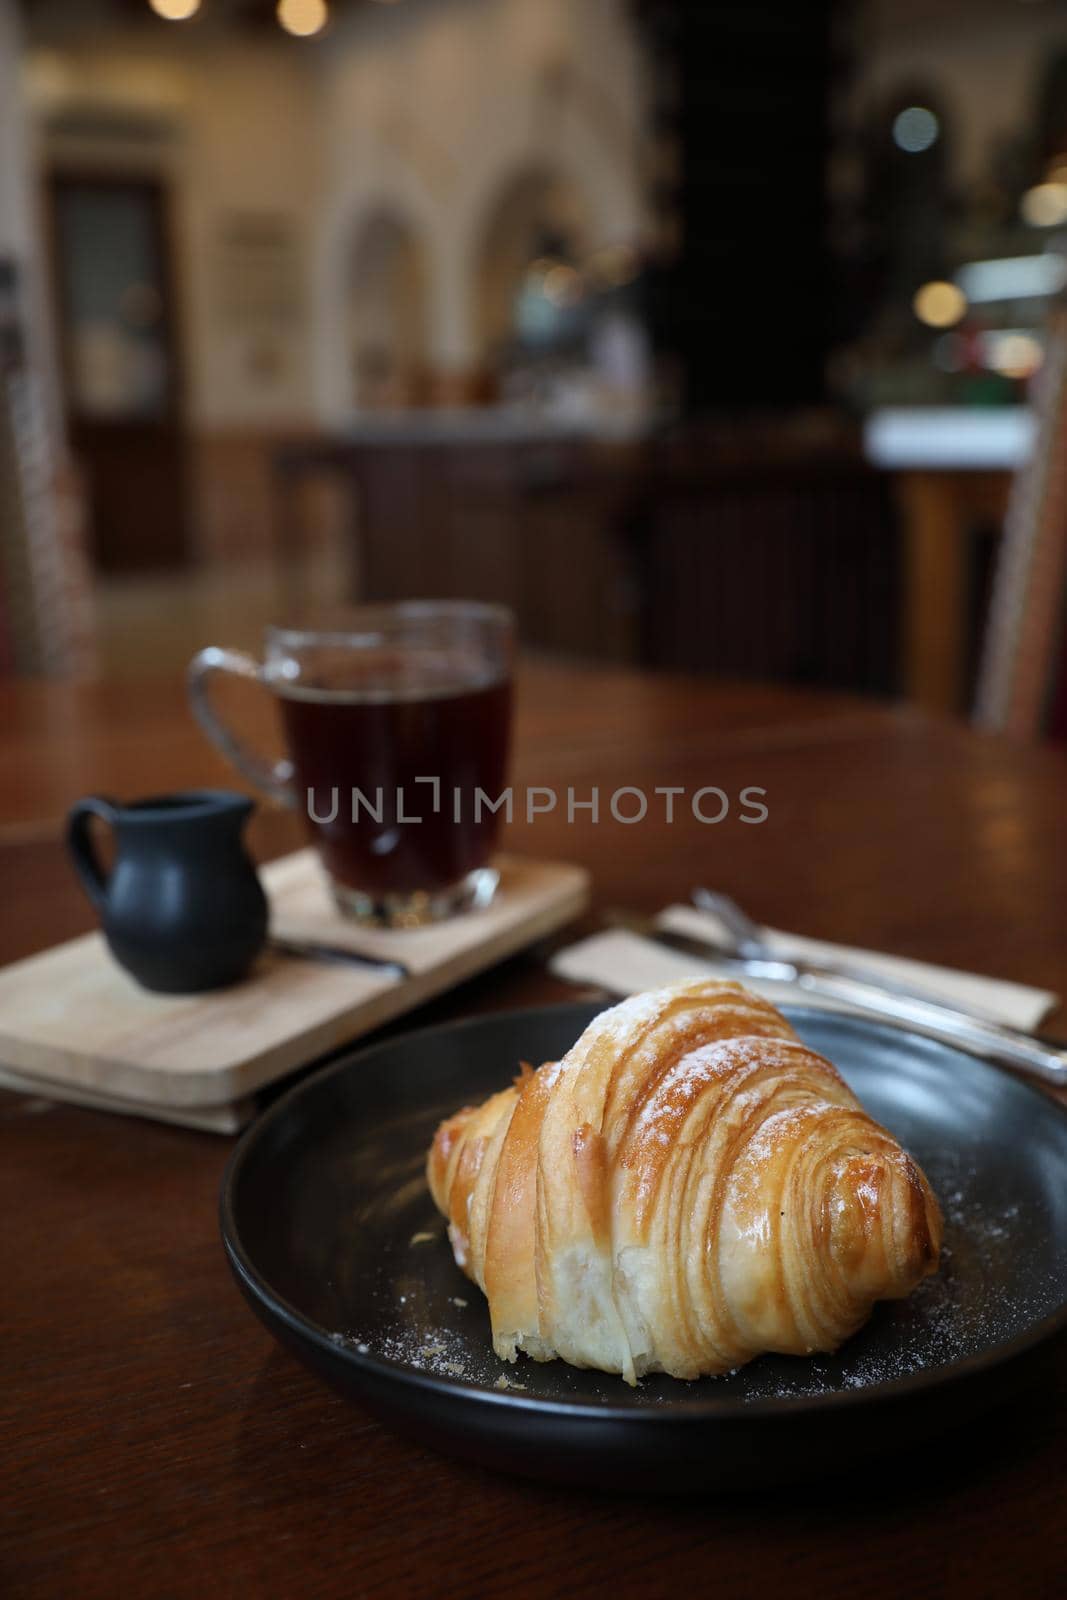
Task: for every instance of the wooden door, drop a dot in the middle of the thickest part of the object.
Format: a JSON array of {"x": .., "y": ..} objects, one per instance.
[{"x": 116, "y": 316}]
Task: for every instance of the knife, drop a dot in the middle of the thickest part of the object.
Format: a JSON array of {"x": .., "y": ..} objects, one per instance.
[{"x": 1006, "y": 1047}]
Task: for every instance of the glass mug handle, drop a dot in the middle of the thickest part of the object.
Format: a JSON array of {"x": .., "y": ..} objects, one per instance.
[{"x": 275, "y": 778}]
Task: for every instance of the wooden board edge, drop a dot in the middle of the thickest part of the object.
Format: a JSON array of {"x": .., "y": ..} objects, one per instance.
[{"x": 226, "y": 1119}]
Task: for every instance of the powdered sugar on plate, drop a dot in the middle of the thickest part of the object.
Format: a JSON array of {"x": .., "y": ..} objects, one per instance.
[{"x": 427, "y": 1317}]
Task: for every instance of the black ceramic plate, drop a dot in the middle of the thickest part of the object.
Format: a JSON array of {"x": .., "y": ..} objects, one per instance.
[{"x": 335, "y": 1242}]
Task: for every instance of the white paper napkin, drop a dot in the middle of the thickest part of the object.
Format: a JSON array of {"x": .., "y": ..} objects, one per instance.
[{"x": 626, "y": 963}]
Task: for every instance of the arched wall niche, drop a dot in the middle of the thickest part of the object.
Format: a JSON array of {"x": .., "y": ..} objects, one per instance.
[
  {"x": 536, "y": 211},
  {"x": 387, "y": 309}
]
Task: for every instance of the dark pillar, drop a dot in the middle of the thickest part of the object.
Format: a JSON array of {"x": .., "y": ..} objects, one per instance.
[{"x": 743, "y": 113}]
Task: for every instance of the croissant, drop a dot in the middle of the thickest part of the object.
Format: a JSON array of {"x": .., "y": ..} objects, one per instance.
[{"x": 687, "y": 1188}]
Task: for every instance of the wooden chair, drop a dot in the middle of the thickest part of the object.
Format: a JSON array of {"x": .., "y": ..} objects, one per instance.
[
  {"x": 46, "y": 617},
  {"x": 1022, "y": 684}
]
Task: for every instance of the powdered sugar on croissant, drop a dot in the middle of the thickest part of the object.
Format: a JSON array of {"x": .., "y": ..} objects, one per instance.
[{"x": 688, "y": 1188}]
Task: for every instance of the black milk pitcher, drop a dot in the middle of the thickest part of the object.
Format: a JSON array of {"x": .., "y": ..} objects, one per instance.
[{"x": 182, "y": 908}]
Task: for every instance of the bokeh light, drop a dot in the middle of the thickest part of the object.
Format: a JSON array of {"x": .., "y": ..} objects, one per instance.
[
  {"x": 175, "y": 10},
  {"x": 940, "y": 304},
  {"x": 950, "y": 353},
  {"x": 1014, "y": 354},
  {"x": 303, "y": 18},
  {"x": 915, "y": 129},
  {"x": 1045, "y": 206}
]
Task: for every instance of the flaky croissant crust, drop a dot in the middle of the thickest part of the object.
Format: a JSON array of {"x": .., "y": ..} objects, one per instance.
[{"x": 688, "y": 1188}]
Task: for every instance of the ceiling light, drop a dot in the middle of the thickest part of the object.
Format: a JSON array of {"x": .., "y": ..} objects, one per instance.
[
  {"x": 175, "y": 10},
  {"x": 303, "y": 18}
]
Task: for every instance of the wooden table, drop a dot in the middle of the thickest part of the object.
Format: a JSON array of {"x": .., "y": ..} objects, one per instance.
[
  {"x": 157, "y": 1442},
  {"x": 941, "y": 513}
]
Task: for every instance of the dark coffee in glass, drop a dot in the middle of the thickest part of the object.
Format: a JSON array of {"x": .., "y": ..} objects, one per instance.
[{"x": 397, "y": 730}]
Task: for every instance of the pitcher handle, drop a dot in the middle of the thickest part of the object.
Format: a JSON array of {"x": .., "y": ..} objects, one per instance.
[
  {"x": 274, "y": 778},
  {"x": 83, "y": 850}
]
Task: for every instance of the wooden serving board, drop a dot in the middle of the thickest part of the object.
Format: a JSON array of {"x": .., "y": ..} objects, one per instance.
[{"x": 72, "y": 1018}]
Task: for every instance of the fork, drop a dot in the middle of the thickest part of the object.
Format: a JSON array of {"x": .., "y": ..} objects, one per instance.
[
  {"x": 750, "y": 954},
  {"x": 747, "y": 940}
]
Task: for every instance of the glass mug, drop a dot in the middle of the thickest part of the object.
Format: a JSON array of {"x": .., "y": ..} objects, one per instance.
[{"x": 392, "y": 726}]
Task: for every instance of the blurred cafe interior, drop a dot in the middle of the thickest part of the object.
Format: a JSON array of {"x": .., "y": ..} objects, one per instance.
[
  {"x": 716, "y": 351},
  {"x": 707, "y": 337}
]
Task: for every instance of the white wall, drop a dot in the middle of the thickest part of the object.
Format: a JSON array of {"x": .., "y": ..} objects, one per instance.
[
  {"x": 436, "y": 108},
  {"x": 429, "y": 107},
  {"x": 14, "y": 218},
  {"x": 232, "y": 127},
  {"x": 19, "y": 215},
  {"x": 252, "y": 147}
]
